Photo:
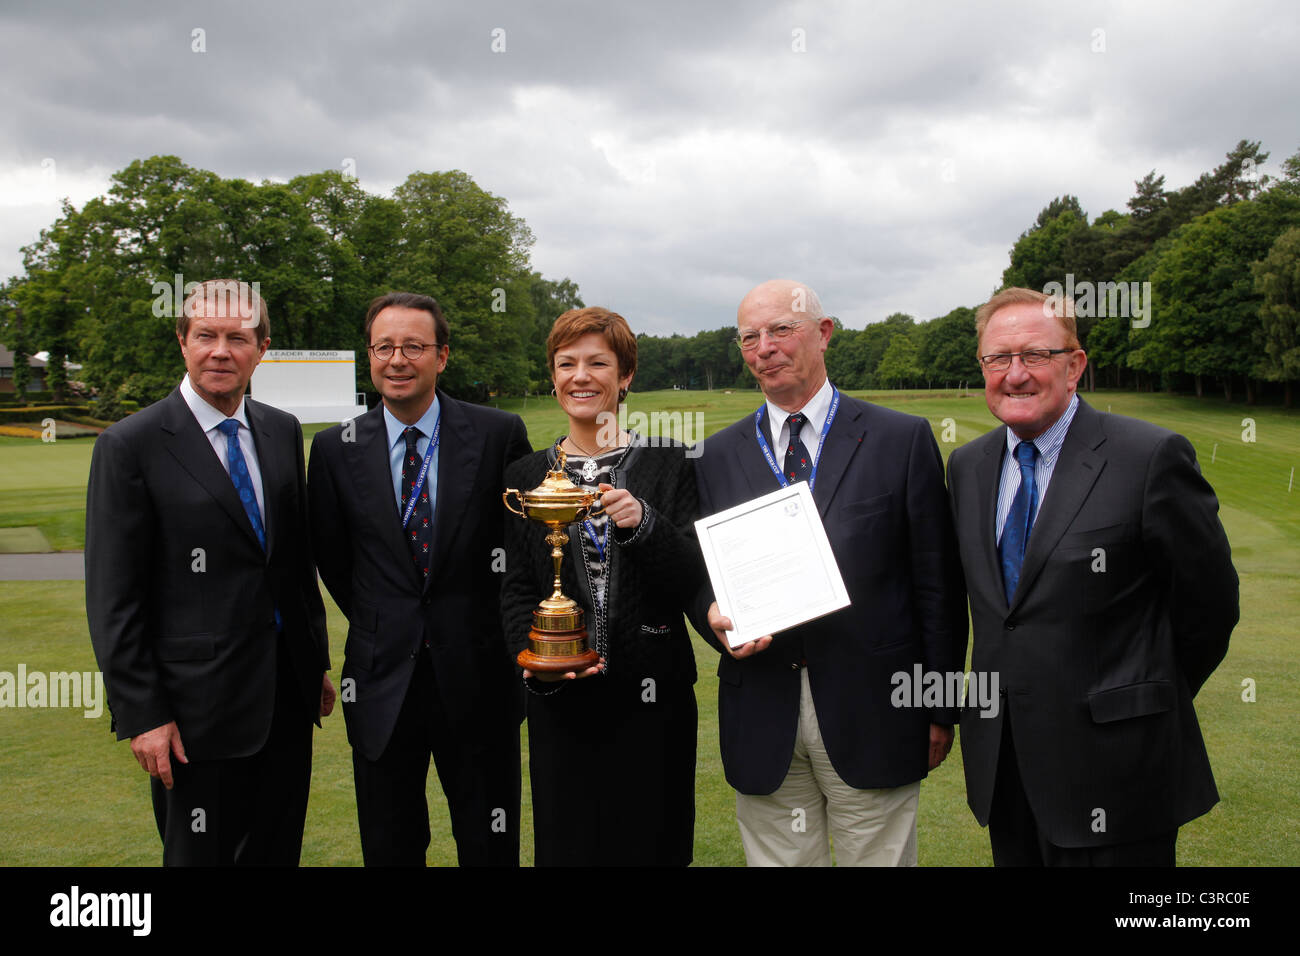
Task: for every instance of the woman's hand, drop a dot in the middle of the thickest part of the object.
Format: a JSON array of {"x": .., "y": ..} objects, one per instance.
[
  {"x": 623, "y": 507},
  {"x": 551, "y": 676}
]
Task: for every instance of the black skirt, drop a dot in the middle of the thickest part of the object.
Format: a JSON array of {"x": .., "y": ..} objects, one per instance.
[{"x": 612, "y": 765}]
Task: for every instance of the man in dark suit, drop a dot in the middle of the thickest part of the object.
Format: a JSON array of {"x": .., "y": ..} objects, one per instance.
[
  {"x": 1102, "y": 594},
  {"x": 407, "y": 527},
  {"x": 812, "y": 737},
  {"x": 202, "y": 598}
]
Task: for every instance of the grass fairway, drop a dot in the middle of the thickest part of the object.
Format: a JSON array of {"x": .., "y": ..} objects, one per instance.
[{"x": 71, "y": 796}]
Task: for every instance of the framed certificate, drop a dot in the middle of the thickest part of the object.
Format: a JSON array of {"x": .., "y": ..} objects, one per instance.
[{"x": 771, "y": 564}]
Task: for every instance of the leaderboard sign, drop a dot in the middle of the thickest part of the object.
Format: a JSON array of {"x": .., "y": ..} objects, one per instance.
[{"x": 315, "y": 385}]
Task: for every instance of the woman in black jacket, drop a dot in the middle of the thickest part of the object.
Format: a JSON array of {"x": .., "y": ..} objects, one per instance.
[{"x": 611, "y": 749}]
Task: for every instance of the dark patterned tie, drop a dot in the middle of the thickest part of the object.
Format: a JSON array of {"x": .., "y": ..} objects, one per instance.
[
  {"x": 797, "y": 459},
  {"x": 419, "y": 531},
  {"x": 242, "y": 480},
  {"x": 1020, "y": 520}
]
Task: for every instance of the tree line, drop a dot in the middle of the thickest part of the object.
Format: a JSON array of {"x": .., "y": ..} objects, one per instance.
[
  {"x": 1191, "y": 285},
  {"x": 320, "y": 248}
]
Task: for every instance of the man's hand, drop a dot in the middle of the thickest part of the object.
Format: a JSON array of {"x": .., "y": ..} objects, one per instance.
[
  {"x": 722, "y": 624},
  {"x": 327, "y": 696},
  {"x": 551, "y": 676},
  {"x": 940, "y": 743},
  {"x": 623, "y": 507},
  {"x": 153, "y": 750}
]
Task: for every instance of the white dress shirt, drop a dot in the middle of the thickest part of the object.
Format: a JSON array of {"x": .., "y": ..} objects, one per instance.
[
  {"x": 1049, "y": 450},
  {"x": 815, "y": 410},
  {"x": 209, "y": 418}
]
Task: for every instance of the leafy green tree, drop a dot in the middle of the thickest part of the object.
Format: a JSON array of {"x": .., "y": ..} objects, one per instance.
[
  {"x": 1039, "y": 255},
  {"x": 947, "y": 356},
  {"x": 549, "y": 300},
  {"x": 1277, "y": 279},
  {"x": 1207, "y": 311},
  {"x": 461, "y": 245},
  {"x": 899, "y": 367},
  {"x": 13, "y": 334}
]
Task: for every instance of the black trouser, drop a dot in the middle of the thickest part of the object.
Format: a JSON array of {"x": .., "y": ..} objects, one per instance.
[
  {"x": 478, "y": 768},
  {"x": 1017, "y": 840},
  {"x": 245, "y": 810}
]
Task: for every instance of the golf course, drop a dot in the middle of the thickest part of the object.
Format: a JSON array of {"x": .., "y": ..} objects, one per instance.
[{"x": 72, "y": 795}]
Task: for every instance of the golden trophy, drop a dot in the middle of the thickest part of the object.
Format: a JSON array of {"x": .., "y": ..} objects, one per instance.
[{"x": 558, "y": 638}]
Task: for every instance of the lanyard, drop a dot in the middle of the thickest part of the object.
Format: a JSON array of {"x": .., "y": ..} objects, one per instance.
[
  {"x": 424, "y": 471},
  {"x": 597, "y": 543},
  {"x": 590, "y": 528},
  {"x": 767, "y": 449}
]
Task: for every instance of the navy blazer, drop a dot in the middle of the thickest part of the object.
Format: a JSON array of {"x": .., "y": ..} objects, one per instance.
[
  {"x": 367, "y": 567},
  {"x": 881, "y": 497},
  {"x": 1124, "y": 606}
]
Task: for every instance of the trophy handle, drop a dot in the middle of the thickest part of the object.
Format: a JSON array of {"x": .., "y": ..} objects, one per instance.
[
  {"x": 597, "y": 507},
  {"x": 505, "y": 498}
]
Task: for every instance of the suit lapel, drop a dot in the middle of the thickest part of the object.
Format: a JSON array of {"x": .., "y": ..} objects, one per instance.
[
  {"x": 842, "y": 442},
  {"x": 459, "y": 456},
  {"x": 372, "y": 477},
  {"x": 269, "y": 464},
  {"x": 988, "y": 472},
  {"x": 186, "y": 442},
  {"x": 753, "y": 463},
  {"x": 1077, "y": 470}
]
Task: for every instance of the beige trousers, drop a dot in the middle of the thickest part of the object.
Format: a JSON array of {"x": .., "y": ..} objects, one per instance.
[{"x": 796, "y": 824}]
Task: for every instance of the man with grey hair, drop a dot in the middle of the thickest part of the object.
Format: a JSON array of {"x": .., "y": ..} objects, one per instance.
[
  {"x": 811, "y": 738},
  {"x": 1102, "y": 593},
  {"x": 202, "y": 600}
]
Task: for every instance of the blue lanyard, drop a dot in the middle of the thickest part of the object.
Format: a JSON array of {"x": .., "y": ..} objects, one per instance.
[
  {"x": 590, "y": 529},
  {"x": 424, "y": 471},
  {"x": 598, "y": 544},
  {"x": 767, "y": 449}
]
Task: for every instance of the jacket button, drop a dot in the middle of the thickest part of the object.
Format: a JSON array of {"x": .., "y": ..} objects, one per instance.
[{"x": 1010, "y": 625}]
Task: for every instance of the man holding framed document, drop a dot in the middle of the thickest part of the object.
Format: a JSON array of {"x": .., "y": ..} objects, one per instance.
[{"x": 814, "y": 739}]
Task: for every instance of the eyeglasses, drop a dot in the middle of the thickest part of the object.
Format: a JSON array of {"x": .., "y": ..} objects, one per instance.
[
  {"x": 748, "y": 340},
  {"x": 1032, "y": 358},
  {"x": 412, "y": 350}
]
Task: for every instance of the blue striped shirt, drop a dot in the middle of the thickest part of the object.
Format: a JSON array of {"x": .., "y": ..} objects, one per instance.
[{"x": 1049, "y": 450}]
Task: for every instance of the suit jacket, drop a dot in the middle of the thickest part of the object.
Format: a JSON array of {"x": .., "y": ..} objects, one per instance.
[
  {"x": 180, "y": 596},
  {"x": 881, "y": 497},
  {"x": 1125, "y": 602},
  {"x": 366, "y": 565}
]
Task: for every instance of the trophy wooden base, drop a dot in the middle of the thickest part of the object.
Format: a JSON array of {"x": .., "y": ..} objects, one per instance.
[{"x": 557, "y": 652}]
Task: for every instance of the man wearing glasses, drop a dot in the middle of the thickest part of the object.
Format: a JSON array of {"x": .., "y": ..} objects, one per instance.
[
  {"x": 811, "y": 739},
  {"x": 407, "y": 530},
  {"x": 1102, "y": 593}
]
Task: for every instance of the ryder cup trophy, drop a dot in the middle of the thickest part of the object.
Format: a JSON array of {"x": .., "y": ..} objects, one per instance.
[{"x": 557, "y": 641}]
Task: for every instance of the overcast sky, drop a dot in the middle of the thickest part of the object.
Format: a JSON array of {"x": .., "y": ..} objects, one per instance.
[{"x": 668, "y": 156}]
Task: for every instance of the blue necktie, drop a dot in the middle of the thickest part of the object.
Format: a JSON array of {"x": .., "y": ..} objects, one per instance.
[
  {"x": 241, "y": 478},
  {"x": 243, "y": 482},
  {"x": 1020, "y": 520}
]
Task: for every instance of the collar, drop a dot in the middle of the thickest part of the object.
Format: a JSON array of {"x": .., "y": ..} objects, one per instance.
[
  {"x": 395, "y": 428},
  {"x": 207, "y": 416},
  {"x": 1049, "y": 442},
  {"x": 815, "y": 410}
]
